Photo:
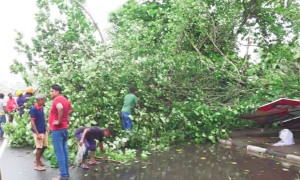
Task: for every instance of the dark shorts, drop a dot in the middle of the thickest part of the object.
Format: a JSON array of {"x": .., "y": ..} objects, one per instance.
[{"x": 88, "y": 143}]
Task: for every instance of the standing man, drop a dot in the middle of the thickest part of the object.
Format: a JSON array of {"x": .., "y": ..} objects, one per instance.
[
  {"x": 38, "y": 124},
  {"x": 130, "y": 101},
  {"x": 87, "y": 136},
  {"x": 11, "y": 106},
  {"x": 21, "y": 101},
  {"x": 58, "y": 121},
  {"x": 2, "y": 115}
]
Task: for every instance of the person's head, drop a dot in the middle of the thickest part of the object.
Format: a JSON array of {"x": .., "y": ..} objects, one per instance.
[
  {"x": 107, "y": 132},
  {"x": 19, "y": 93},
  {"x": 55, "y": 91},
  {"x": 132, "y": 90},
  {"x": 40, "y": 99},
  {"x": 1, "y": 95},
  {"x": 10, "y": 95},
  {"x": 29, "y": 91}
]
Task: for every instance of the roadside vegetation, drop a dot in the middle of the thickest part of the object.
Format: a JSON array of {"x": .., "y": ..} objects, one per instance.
[{"x": 181, "y": 55}]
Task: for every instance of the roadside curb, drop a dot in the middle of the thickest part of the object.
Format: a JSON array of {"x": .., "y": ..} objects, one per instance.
[{"x": 260, "y": 150}]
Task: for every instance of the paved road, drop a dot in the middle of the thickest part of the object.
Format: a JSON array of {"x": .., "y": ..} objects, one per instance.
[{"x": 18, "y": 164}]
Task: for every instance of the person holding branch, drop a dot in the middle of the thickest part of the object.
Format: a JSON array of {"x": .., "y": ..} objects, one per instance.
[{"x": 87, "y": 136}]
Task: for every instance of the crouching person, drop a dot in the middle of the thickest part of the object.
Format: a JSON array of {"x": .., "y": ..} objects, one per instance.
[
  {"x": 39, "y": 130},
  {"x": 87, "y": 136}
]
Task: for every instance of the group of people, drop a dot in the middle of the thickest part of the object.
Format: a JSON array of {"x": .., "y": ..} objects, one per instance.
[
  {"x": 11, "y": 105},
  {"x": 58, "y": 122}
]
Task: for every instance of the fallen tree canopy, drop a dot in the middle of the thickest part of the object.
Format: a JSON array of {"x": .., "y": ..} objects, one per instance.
[{"x": 181, "y": 55}]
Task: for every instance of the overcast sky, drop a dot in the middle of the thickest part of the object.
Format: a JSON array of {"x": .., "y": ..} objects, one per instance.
[{"x": 19, "y": 15}]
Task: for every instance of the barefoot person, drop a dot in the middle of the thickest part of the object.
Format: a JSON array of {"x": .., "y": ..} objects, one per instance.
[
  {"x": 59, "y": 122},
  {"x": 87, "y": 136},
  {"x": 39, "y": 130}
]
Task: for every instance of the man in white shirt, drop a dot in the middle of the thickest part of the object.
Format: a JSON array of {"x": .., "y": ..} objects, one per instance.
[{"x": 2, "y": 114}]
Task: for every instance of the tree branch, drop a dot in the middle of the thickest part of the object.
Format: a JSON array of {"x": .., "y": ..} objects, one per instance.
[
  {"x": 248, "y": 16},
  {"x": 255, "y": 45},
  {"x": 94, "y": 22},
  {"x": 194, "y": 46},
  {"x": 246, "y": 57},
  {"x": 224, "y": 56},
  {"x": 180, "y": 38}
]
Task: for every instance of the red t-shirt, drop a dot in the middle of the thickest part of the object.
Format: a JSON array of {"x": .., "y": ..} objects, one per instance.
[
  {"x": 54, "y": 113},
  {"x": 11, "y": 105}
]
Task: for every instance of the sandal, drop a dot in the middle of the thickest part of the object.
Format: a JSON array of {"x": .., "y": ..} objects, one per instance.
[
  {"x": 95, "y": 163},
  {"x": 41, "y": 164},
  {"x": 84, "y": 167},
  {"x": 39, "y": 168}
]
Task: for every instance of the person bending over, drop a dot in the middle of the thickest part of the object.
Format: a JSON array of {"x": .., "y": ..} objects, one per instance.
[{"x": 87, "y": 136}]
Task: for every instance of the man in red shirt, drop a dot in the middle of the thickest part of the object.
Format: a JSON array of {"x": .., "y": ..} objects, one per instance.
[
  {"x": 11, "y": 105},
  {"x": 58, "y": 121}
]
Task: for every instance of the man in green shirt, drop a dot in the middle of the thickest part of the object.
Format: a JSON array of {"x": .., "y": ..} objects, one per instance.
[{"x": 130, "y": 101}]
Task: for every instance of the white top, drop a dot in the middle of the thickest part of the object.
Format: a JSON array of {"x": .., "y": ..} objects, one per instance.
[{"x": 2, "y": 104}]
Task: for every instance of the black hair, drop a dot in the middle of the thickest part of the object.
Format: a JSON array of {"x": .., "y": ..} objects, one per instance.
[
  {"x": 57, "y": 87},
  {"x": 9, "y": 94},
  {"x": 110, "y": 129},
  {"x": 132, "y": 89},
  {"x": 1, "y": 95}
]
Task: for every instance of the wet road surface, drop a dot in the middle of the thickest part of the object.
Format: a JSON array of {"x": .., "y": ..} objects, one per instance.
[{"x": 204, "y": 162}]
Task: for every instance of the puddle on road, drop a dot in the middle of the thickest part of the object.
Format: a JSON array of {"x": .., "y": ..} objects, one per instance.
[{"x": 196, "y": 162}]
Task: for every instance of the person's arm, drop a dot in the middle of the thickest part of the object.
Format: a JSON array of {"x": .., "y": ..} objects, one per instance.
[
  {"x": 83, "y": 136},
  {"x": 137, "y": 104},
  {"x": 18, "y": 102},
  {"x": 101, "y": 148},
  {"x": 60, "y": 112},
  {"x": 16, "y": 105},
  {"x": 35, "y": 129},
  {"x": 71, "y": 109},
  {"x": 8, "y": 105},
  {"x": 4, "y": 107},
  {"x": 32, "y": 121}
]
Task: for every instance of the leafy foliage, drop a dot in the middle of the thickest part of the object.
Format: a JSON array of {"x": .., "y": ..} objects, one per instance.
[
  {"x": 181, "y": 55},
  {"x": 19, "y": 133}
]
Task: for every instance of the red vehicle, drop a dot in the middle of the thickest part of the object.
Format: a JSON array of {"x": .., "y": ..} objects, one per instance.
[{"x": 285, "y": 110}]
